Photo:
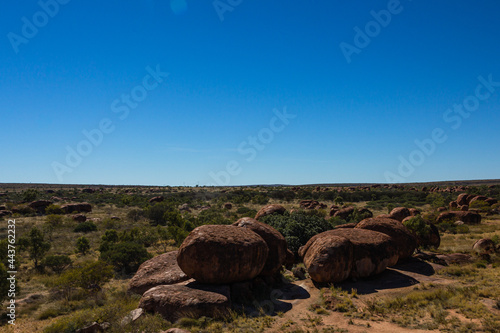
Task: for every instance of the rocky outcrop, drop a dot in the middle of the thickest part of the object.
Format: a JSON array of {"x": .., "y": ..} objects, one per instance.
[
  {"x": 193, "y": 300},
  {"x": 222, "y": 254},
  {"x": 79, "y": 218},
  {"x": 403, "y": 238},
  {"x": 373, "y": 251},
  {"x": 156, "y": 199},
  {"x": 274, "y": 240},
  {"x": 484, "y": 246},
  {"x": 344, "y": 213},
  {"x": 328, "y": 258},
  {"x": 466, "y": 216},
  {"x": 399, "y": 213},
  {"x": 160, "y": 270},
  {"x": 77, "y": 207},
  {"x": 311, "y": 204},
  {"x": 270, "y": 209},
  {"x": 40, "y": 205}
]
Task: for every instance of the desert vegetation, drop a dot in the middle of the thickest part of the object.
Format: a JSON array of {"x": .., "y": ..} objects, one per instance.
[{"x": 78, "y": 249}]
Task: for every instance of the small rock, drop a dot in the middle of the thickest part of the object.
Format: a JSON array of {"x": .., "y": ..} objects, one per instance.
[{"x": 132, "y": 316}]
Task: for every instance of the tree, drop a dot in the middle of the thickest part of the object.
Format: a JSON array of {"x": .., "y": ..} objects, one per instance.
[
  {"x": 297, "y": 227},
  {"x": 89, "y": 276},
  {"x": 86, "y": 226},
  {"x": 82, "y": 245},
  {"x": 125, "y": 256},
  {"x": 338, "y": 200},
  {"x": 418, "y": 226},
  {"x": 35, "y": 244},
  {"x": 54, "y": 209},
  {"x": 56, "y": 263},
  {"x": 30, "y": 195}
]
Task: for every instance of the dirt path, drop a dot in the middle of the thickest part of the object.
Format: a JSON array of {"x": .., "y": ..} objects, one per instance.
[{"x": 393, "y": 282}]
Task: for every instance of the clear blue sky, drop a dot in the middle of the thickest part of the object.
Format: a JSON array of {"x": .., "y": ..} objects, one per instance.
[{"x": 358, "y": 105}]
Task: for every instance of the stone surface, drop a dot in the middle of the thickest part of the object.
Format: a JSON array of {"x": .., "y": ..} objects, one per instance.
[
  {"x": 160, "y": 270},
  {"x": 328, "y": 258},
  {"x": 344, "y": 213},
  {"x": 403, "y": 238},
  {"x": 156, "y": 199},
  {"x": 222, "y": 254},
  {"x": 40, "y": 205},
  {"x": 192, "y": 300},
  {"x": 484, "y": 246},
  {"x": 274, "y": 240},
  {"x": 373, "y": 251},
  {"x": 82, "y": 207},
  {"x": 270, "y": 209},
  {"x": 467, "y": 217},
  {"x": 79, "y": 218},
  {"x": 399, "y": 213}
]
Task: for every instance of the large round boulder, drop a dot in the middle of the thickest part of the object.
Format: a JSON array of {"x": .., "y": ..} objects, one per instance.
[
  {"x": 328, "y": 258},
  {"x": 270, "y": 209},
  {"x": 462, "y": 199},
  {"x": 160, "y": 270},
  {"x": 192, "y": 300},
  {"x": 344, "y": 213},
  {"x": 274, "y": 240},
  {"x": 373, "y": 251},
  {"x": 484, "y": 246},
  {"x": 399, "y": 213},
  {"x": 413, "y": 211},
  {"x": 222, "y": 254},
  {"x": 403, "y": 238},
  {"x": 466, "y": 216}
]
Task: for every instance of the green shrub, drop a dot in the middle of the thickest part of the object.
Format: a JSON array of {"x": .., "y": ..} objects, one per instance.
[
  {"x": 30, "y": 195},
  {"x": 89, "y": 276},
  {"x": 418, "y": 225},
  {"x": 260, "y": 199},
  {"x": 297, "y": 227},
  {"x": 212, "y": 216},
  {"x": 56, "y": 263},
  {"x": 125, "y": 256},
  {"x": 86, "y": 226},
  {"x": 54, "y": 220},
  {"x": 157, "y": 213},
  {"x": 54, "y": 209},
  {"x": 481, "y": 205},
  {"x": 246, "y": 212},
  {"x": 82, "y": 245},
  {"x": 110, "y": 236},
  {"x": 135, "y": 215},
  {"x": 335, "y": 221},
  {"x": 35, "y": 244}
]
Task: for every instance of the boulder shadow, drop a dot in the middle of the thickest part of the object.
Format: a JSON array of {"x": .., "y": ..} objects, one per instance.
[
  {"x": 415, "y": 265},
  {"x": 388, "y": 279},
  {"x": 277, "y": 302}
]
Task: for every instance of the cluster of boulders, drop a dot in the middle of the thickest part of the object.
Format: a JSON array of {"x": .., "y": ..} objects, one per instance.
[
  {"x": 401, "y": 214},
  {"x": 40, "y": 206},
  {"x": 361, "y": 251},
  {"x": 346, "y": 211},
  {"x": 455, "y": 216},
  {"x": 311, "y": 204},
  {"x": 464, "y": 201},
  {"x": 82, "y": 207},
  {"x": 215, "y": 265}
]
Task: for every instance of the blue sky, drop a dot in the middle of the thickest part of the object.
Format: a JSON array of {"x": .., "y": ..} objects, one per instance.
[{"x": 233, "y": 66}]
